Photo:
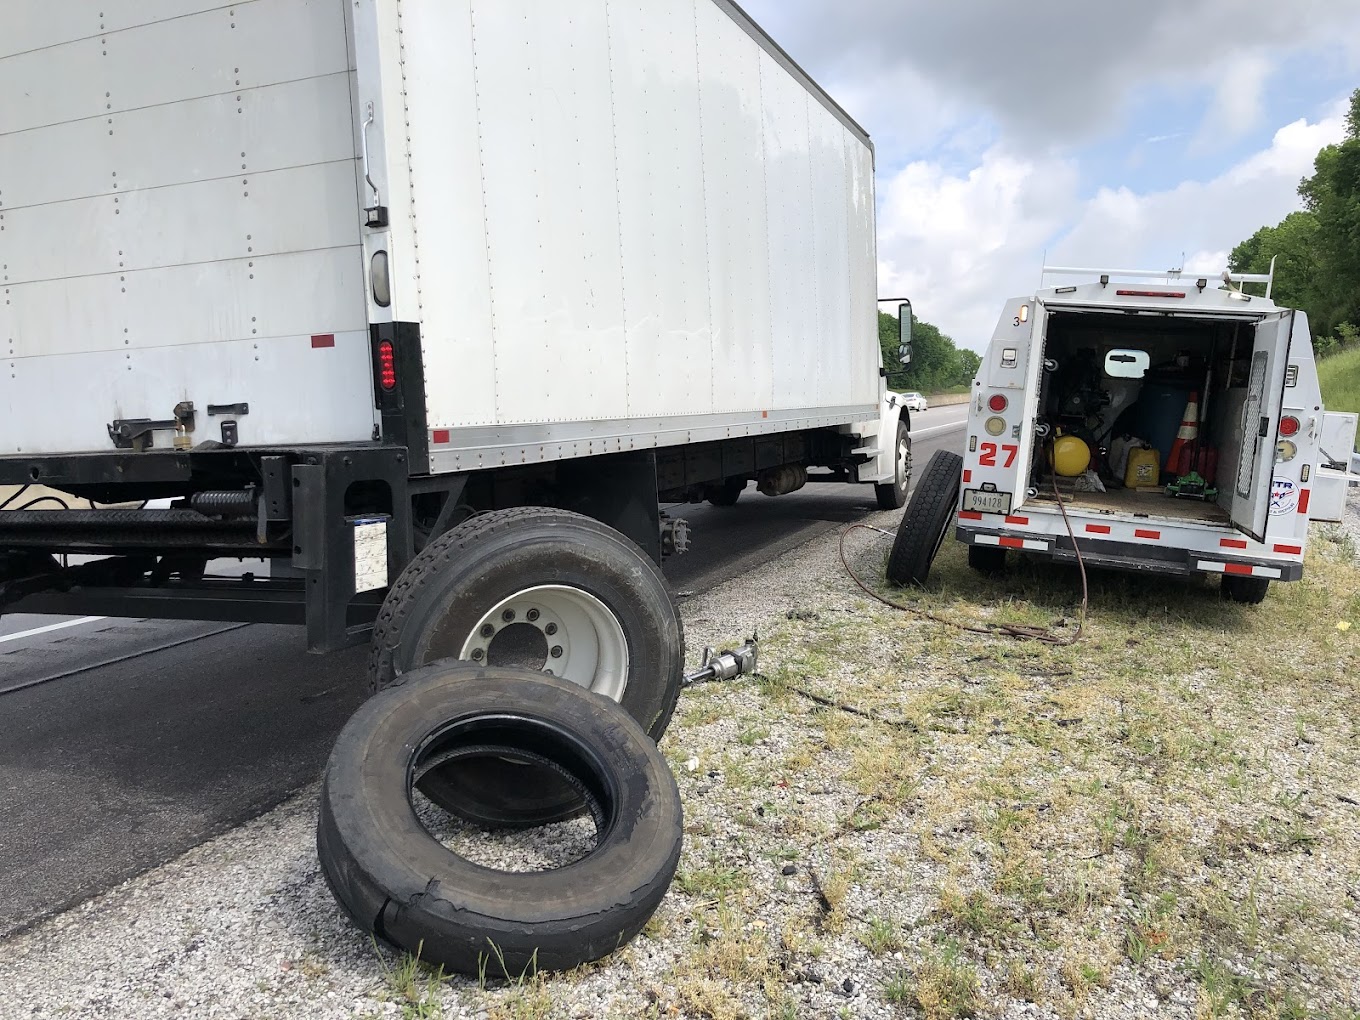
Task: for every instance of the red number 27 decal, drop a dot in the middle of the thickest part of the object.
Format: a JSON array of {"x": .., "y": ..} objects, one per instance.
[{"x": 989, "y": 450}]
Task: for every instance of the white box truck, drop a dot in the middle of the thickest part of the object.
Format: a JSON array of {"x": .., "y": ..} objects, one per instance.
[{"x": 344, "y": 280}]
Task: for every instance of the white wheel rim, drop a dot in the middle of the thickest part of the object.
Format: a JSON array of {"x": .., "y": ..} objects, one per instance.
[
  {"x": 583, "y": 639},
  {"x": 903, "y": 456}
]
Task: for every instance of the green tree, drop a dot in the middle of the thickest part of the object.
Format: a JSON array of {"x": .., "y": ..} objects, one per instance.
[
  {"x": 1332, "y": 195},
  {"x": 936, "y": 364},
  {"x": 1317, "y": 250},
  {"x": 1293, "y": 244}
]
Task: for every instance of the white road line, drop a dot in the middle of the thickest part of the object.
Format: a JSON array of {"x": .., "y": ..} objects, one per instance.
[
  {"x": 51, "y": 627},
  {"x": 920, "y": 433}
]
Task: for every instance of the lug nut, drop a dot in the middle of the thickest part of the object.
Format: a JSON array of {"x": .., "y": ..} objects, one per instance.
[
  {"x": 487, "y": 630},
  {"x": 477, "y": 654},
  {"x": 508, "y": 615},
  {"x": 532, "y": 615},
  {"x": 556, "y": 652},
  {"x": 550, "y": 629},
  {"x": 549, "y": 672}
]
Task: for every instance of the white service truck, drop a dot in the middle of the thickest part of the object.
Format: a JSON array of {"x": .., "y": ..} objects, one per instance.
[
  {"x": 1215, "y": 387},
  {"x": 428, "y": 303}
]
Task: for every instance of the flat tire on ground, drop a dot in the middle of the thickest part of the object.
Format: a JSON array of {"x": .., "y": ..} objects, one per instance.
[
  {"x": 926, "y": 521},
  {"x": 892, "y": 495},
  {"x": 542, "y": 589},
  {"x": 396, "y": 881}
]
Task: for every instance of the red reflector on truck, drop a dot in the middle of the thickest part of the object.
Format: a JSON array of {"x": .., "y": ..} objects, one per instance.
[
  {"x": 1237, "y": 568},
  {"x": 1012, "y": 543},
  {"x": 387, "y": 365},
  {"x": 1098, "y": 529},
  {"x": 1303, "y": 501},
  {"x": 440, "y": 436},
  {"x": 1289, "y": 550},
  {"x": 323, "y": 340},
  {"x": 997, "y": 402},
  {"x": 1150, "y": 293},
  {"x": 1144, "y": 533},
  {"x": 1232, "y": 543},
  {"x": 970, "y": 515},
  {"x": 1289, "y": 425}
]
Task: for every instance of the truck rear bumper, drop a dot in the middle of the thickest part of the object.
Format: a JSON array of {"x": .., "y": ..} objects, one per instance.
[
  {"x": 300, "y": 508},
  {"x": 1141, "y": 559}
]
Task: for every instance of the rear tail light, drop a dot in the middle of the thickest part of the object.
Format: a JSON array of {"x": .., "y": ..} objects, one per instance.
[
  {"x": 387, "y": 365},
  {"x": 997, "y": 403},
  {"x": 1289, "y": 425}
]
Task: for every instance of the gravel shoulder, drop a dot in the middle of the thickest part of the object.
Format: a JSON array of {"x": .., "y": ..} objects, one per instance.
[{"x": 1163, "y": 819}]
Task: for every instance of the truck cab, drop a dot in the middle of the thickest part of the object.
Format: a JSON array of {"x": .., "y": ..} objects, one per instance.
[{"x": 1211, "y": 390}]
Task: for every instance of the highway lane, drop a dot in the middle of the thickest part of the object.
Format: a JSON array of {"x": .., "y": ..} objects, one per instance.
[{"x": 124, "y": 743}]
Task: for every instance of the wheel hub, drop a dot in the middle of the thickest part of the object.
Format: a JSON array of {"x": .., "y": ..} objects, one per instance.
[{"x": 555, "y": 629}]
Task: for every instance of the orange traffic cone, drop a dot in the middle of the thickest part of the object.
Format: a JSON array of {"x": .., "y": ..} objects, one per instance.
[{"x": 1188, "y": 433}]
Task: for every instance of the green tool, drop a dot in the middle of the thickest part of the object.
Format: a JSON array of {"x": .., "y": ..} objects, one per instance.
[{"x": 1192, "y": 486}]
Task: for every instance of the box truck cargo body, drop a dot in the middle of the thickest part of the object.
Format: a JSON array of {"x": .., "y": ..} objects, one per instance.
[{"x": 336, "y": 277}]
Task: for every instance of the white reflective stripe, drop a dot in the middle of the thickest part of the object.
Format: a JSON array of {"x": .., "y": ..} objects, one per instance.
[
  {"x": 1014, "y": 543},
  {"x": 1222, "y": 568}
]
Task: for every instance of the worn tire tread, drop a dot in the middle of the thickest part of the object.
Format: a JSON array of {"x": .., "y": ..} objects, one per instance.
[{"x": 927, "y": 517}]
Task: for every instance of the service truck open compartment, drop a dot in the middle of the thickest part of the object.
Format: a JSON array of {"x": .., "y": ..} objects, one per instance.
[{"x": 1124, "y": 378}]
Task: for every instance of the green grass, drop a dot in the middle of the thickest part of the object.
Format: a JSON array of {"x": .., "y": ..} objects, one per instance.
[{"x": 1339, "y": 376}]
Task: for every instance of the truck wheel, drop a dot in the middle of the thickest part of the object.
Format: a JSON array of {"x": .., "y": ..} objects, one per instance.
[
  {"x": 546, "y": 590},
  {"x": 987, "y": 559},
  {"x": 396, "y": 881},
  {"x": 1250, "y": 591},
  {"x": 894, "y": 494},
  {"x": 926, "y": 521},
  {"x": 727, "y": 493}
]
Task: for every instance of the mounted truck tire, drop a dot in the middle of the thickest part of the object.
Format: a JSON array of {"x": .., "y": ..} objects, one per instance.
[
  {"x": 541, "y": 589},
  {"x": 396, "y": 881},
  {"x": 725, "y": 493},
  {"x": 894, "y": 494},
  {"x": 1249, "y": 591},
  {"x": 926, "y": 521},
  {"x": 987, "y": 559}
]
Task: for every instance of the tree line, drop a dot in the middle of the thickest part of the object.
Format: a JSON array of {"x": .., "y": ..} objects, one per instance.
[
  {"x": 1317, "y": 248},
  {"x": 936, "y": 363}
]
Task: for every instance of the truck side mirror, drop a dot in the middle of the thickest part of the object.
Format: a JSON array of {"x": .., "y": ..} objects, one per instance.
[{"x": 904, "y": 332}]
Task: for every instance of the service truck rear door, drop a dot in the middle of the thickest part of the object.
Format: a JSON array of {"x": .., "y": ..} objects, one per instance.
[{"x": 1260, "y": 419}]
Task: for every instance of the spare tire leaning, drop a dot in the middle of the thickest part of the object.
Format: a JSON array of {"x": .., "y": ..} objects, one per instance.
[
  {"x": 926, "y": 520},
  {"x": 399, "y": 883}
]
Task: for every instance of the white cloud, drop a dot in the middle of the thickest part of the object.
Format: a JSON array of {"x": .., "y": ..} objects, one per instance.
[
  {"x": 1049, "y": 74},
  {"x": 958, "y": 245}
]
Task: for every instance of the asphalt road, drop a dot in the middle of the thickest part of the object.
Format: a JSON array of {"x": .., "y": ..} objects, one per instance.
[{"x": 124, "y": 743}]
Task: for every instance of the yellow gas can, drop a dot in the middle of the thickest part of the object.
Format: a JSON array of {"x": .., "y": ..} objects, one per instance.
[
  {"x": 1145, "y": 468},
  {"x": 1071, "y": 456}
]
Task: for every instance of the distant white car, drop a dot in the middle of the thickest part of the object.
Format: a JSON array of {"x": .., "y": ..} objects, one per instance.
[{"x": 914, "y": 401}]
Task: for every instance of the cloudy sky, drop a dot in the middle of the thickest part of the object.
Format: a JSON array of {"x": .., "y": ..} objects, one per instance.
[{"x": 1124, "y": 135}]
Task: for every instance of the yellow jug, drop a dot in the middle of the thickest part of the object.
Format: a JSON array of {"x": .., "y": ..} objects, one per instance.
[{"x": 1145, "y": 468}]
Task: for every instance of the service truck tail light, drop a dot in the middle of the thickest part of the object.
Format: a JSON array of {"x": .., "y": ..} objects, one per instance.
[
  {"x": 387, "y": 366},
  {"x": 997, "y": 403},
  {"x": 1289, "y": 425}
]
